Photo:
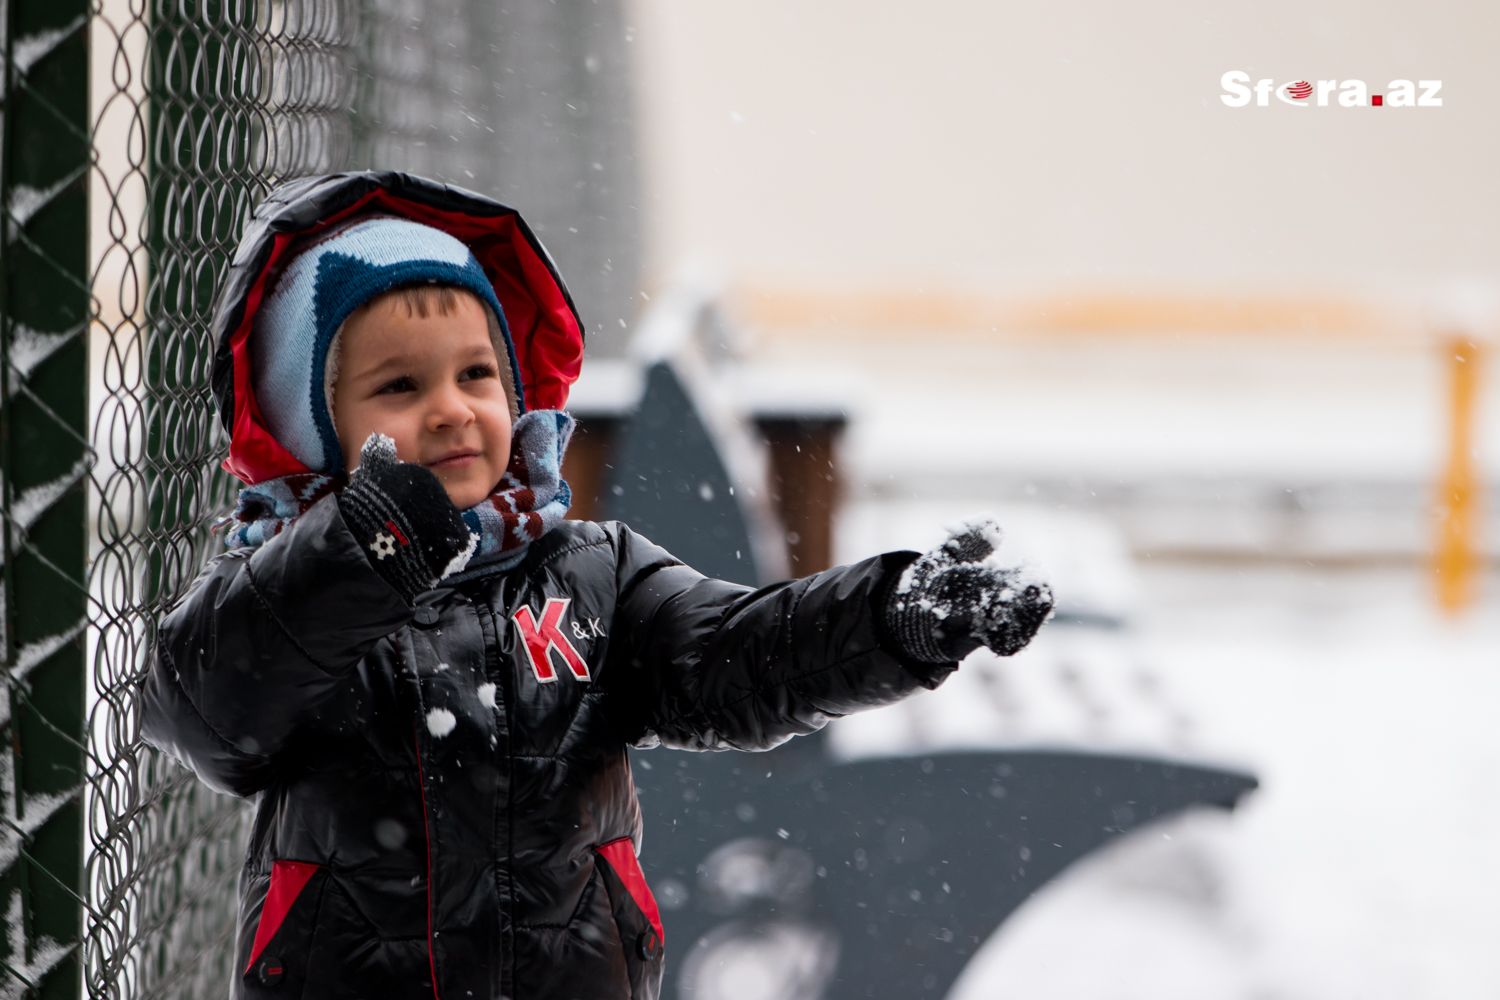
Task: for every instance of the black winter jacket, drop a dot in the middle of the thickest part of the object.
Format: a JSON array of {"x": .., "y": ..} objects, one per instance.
[{"x": 445, "y": 802}]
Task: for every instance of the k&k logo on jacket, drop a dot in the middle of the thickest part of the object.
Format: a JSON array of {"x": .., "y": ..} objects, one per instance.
[{"x": 542, "y": 639}]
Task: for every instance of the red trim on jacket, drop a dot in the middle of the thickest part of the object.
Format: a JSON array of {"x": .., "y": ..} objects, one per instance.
[
  {"x": 427, "y": 836},
  {"x": 546, "y": 334},
  {"x": 621, "y": 856},
  {"x": 288, "y": 879}
]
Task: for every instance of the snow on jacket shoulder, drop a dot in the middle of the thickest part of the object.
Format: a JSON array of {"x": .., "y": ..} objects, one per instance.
[{"x": 445, "y": 801}]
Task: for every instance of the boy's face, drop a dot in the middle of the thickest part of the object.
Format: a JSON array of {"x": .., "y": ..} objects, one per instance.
[{"x": 431, "y": 383}]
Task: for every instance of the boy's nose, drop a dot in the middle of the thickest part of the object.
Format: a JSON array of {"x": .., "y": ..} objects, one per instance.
[{"x": 448, "y": 408}]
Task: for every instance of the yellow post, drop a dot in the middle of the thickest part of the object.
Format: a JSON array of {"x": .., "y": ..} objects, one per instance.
[{"x": 1456, "y": 559}]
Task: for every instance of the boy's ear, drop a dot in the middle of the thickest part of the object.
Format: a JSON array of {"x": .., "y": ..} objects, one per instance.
[{"x": 331, "y": 374}]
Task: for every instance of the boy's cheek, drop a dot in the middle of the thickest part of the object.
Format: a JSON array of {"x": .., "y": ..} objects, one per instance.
[{"x": 406, "y": 452}]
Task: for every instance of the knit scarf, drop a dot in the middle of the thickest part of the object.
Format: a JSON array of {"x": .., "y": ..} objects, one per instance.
[{"x": 530, "y": 500}]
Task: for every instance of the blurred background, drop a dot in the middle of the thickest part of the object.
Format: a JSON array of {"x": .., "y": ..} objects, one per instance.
[
  {"x": 1225, "y": 373},
  {"x": 1199, "y": 358}
]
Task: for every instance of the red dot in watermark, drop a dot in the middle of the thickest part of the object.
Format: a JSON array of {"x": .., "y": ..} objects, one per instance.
[{"x": 1299, "y": 91}]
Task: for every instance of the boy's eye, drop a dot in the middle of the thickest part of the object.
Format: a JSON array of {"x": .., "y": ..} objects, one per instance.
[
  {"x": 403, "y": 384},
  {"x": 477, "y": 372}
]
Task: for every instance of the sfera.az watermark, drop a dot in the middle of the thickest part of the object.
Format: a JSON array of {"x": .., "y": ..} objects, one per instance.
[{"x": 1349, "y": 93}]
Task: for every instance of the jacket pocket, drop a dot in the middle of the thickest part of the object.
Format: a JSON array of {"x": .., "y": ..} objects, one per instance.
[
  {"x": 274, "y": 963},
  {"x": 636, "y": 916}
]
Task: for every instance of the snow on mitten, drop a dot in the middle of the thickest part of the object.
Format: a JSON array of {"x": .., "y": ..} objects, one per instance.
[
  {"x": 402, "y": 517},
  {"x": 957, "y": 598}
]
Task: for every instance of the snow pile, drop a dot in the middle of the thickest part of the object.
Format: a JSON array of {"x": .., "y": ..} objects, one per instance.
[{"x": 1363, "y": 867}]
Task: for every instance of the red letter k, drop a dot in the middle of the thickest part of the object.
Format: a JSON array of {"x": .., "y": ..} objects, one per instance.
[{"x": 540, "y": 640}]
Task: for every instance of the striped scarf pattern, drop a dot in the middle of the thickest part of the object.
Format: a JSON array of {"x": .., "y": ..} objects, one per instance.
[{"x": 530, "y": 500}]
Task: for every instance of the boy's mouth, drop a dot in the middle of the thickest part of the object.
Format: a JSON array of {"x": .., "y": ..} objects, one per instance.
[{"x": 457, "y": 459}]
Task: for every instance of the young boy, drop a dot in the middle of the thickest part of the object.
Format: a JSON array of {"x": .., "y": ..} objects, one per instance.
[{"x": 424, "y": 674}]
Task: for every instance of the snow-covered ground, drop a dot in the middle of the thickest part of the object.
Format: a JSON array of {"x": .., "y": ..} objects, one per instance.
[{"x": 1363, "y": 867}]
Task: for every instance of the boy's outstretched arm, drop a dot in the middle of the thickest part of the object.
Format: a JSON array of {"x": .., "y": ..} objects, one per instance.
[
  {"x": 257, "y": 643},
  {"x": 703, "y": 664}
]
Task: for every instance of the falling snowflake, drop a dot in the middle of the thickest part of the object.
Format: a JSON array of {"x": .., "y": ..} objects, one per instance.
[{"x": 440, "y": 722}]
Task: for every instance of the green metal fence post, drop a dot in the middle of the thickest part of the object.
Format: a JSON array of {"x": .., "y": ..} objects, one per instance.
[{"x": 44, "y": 461}]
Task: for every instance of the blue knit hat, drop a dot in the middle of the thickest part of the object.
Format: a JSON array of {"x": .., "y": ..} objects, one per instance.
[{"x": 293, "y": 344}]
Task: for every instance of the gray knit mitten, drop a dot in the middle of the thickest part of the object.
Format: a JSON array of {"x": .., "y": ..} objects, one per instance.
[
  {"x": 402, "y": 517},
  {"x": 957, "y": 598}
]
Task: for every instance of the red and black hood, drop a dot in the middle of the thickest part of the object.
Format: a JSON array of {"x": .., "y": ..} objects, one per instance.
[{"x": 542, "y": 320}]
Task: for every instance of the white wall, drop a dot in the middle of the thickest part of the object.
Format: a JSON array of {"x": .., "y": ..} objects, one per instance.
[{"x": 1006, "y": 145}]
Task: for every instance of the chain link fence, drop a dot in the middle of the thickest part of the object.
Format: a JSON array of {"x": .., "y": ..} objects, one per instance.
[
  {"x": 204, "y": 106},
  {"x": 137, "y": 137},
  {"x": 198, "y": 107},
  {"x": 44, "y": 462}
]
